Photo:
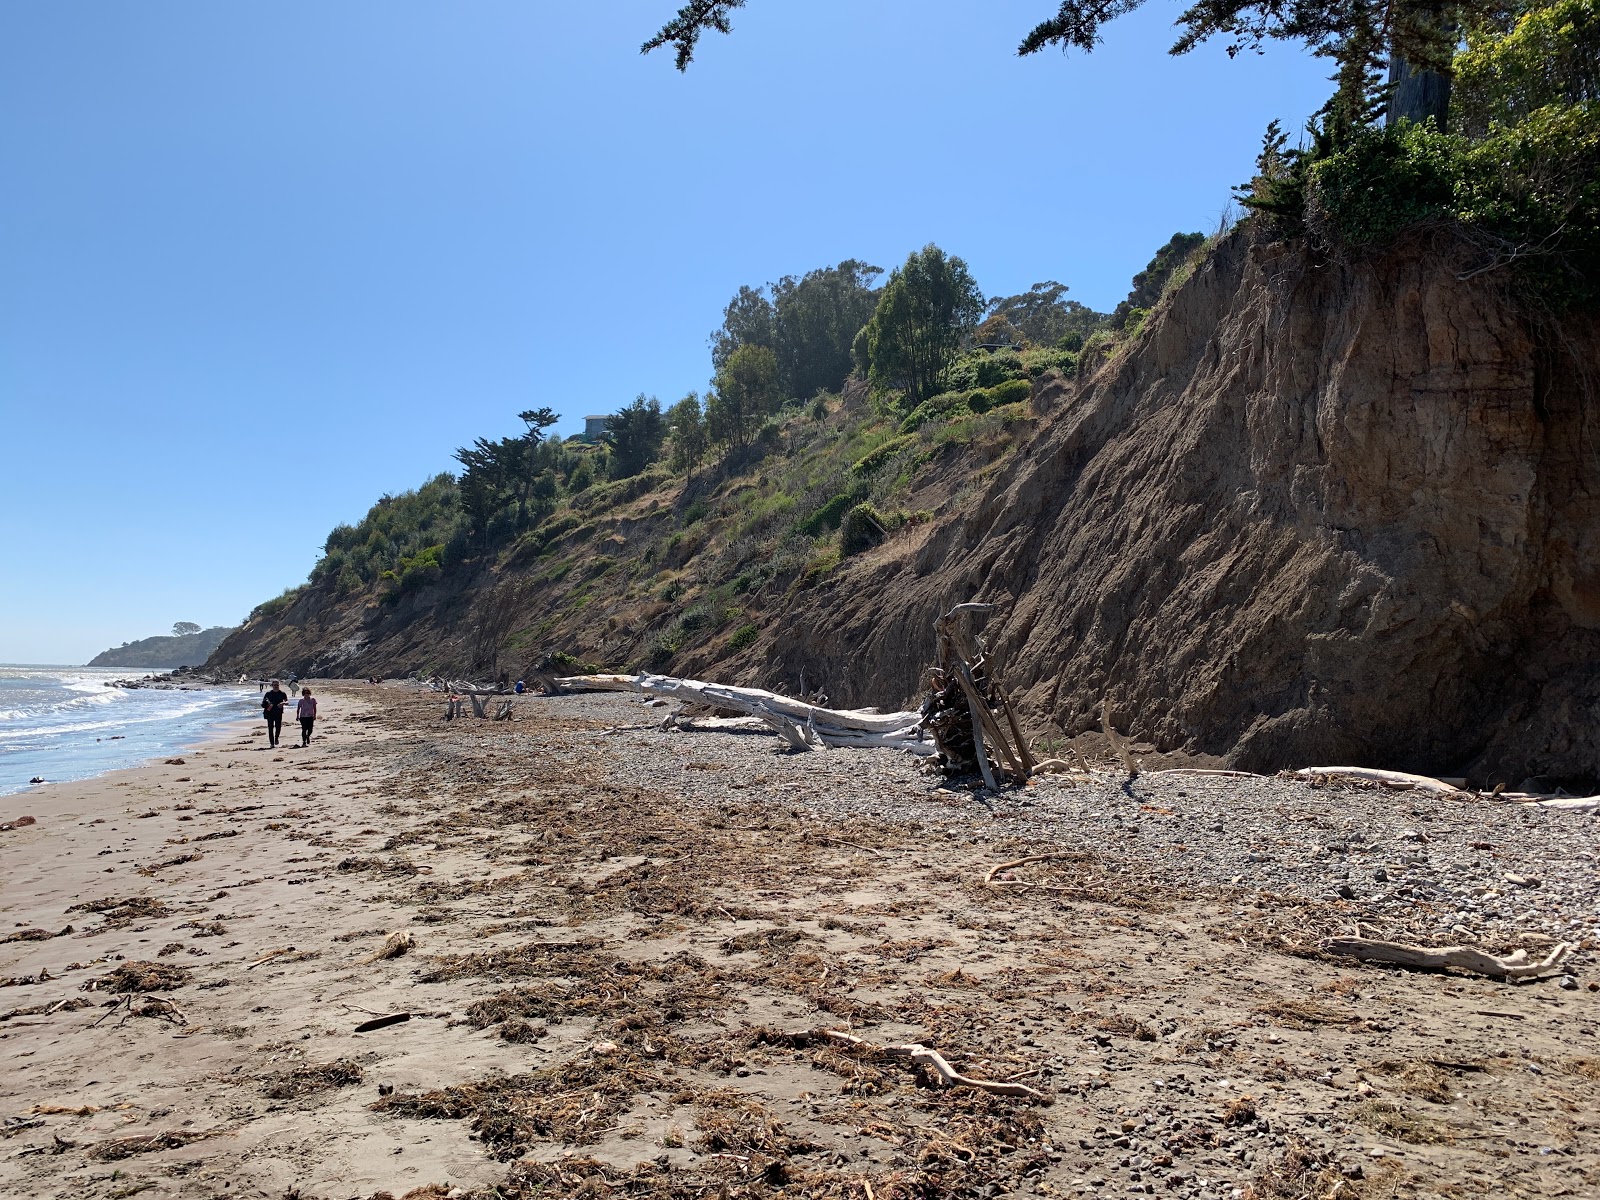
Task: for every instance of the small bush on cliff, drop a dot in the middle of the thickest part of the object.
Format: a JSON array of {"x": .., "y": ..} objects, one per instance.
[
  {"x": 278, "y": 604},
  {"x": 864, "y": 526},
  {"x": 1012, "y": 391}
]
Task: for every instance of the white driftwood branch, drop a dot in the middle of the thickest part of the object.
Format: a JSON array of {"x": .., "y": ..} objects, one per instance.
[
  {"x": 793, "y": 719},
  {"x": 917, "y": 1054},
  {"x": 1584, "y": 804},
  {"x": 1422, "y": 958},
  {"x": 1403, "y": 781}
]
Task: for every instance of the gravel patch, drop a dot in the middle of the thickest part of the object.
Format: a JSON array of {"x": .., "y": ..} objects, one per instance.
[{"x": 1463, "y": 870}]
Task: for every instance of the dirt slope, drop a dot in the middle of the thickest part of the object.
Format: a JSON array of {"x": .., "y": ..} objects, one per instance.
[
  {"x": 1330, "y": 514},
  {"x": 1316, "y": 512}
]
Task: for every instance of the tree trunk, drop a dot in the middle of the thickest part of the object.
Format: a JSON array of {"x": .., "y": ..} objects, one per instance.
[{"x": 1416, "y": 95}]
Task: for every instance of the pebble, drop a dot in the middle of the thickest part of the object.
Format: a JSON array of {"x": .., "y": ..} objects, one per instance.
[{"x": 1194, "y": 832}]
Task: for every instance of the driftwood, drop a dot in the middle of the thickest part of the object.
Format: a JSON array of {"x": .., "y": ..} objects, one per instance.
[
  {"x": 1128, "y": 761},
  {"x": 795, "y": 720},
  {"x": 396, "y": 944},
  {"x": 1422, "y": 958},
  {"x": 1396, "y": 779},
  {"x": 503, "y": 711},
  {"x": 964, "y": 673},
  {"x": 1024, "y": 861},
  {"x": 967, "y": 712},
  {"x": 918, "y": 1055},
  {"x": 266, "y": 958},
  {"x": 1404, "y": 781},
  {"x": 383, "y": 1022}
]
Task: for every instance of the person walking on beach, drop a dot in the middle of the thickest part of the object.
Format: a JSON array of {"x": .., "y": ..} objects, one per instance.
[
  {"x": 272, "y": 708},
  {"x": 306, "y": 710}
]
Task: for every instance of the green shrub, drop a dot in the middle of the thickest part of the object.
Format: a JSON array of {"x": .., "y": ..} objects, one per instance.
[
  {"x": 1012, "y": 391},
  {"x": 1537, "y": 187},
  {"x": 828, "y": 517},
  {"x": 421, "y": 568},
  {"x": 1533, "y": 187},
  {"x": 695, "y": 512},
  {"x": 1385, "y": 180},
  {"x": 278, "y": 605},
  {"x": 863, "y": 528},
  {"x": 571, "y": 665},
  {"x": 979, "y": 401},
  {"x": 1044, "y": 359},
  {"x": 874, "y": 459},
  {"x": 984, "y": 369},
  {"x": 743, "y": 636},
  {"x": 933, "y": 411}
]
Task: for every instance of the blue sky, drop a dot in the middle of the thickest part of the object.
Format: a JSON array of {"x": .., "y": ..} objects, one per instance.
[{"x": 260, "y": 264}]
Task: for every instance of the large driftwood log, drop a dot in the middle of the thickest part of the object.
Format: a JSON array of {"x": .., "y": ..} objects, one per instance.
[
  {"x": 1403, "y": 781},
  {"x": 918, "y": 1055},
  {"x": 791, "y": 718},
  {"x": 1463, "y": 958}
]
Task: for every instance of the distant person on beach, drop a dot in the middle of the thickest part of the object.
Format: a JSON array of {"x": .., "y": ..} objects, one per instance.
[
  {"x": 521, "y": 687},
  {"x": 306, "y": 710},
  {"x": 272, "y": 708}
]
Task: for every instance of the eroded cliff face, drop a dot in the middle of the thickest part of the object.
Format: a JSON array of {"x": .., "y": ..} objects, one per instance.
[{"x": 1316, "y": 513}]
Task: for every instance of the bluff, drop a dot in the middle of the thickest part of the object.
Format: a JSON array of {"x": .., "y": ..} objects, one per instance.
[
  {"x": 1319, "y": 510},
  {"x": 190, "y": 649}
]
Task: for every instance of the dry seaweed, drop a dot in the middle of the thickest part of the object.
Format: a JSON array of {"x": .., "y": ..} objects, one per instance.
[
  {"x": 141, "y": 977},
  {"x": 119, "y": 1148},
  {"x": 312, "y": 1078}
]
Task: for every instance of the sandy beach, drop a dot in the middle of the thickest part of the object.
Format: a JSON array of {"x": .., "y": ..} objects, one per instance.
[{"x": 618, "y": 949}]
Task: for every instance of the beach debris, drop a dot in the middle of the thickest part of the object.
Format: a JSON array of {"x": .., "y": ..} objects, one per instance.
[
  {"x": 19, "y": 822},
  {"x": 396, "y": 944},
  {"x": 1516, "y": 965},
  {"x": 119, "y": 1148},
  {"x": 383, "y": 1022},
  {"x": 141, "y": 977},
  {"x": 122, "y": 912},
  {"x": 150, "y": 1006},
  {"x": 312, "y": 1078},
  {"x": 269, "y": 956},
  {"x": 175, "y": 762},
  {"x": 33, "y": 935},
  {"x": 914, "y": 1052},
  {"x": 179, "y": 861},
  {"x": 44, "y": 1010}
]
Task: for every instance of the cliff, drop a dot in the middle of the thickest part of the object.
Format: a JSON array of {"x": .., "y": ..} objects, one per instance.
[
  {"x": 166, "y": 651},
  {"x": 1315, "y": 512}
]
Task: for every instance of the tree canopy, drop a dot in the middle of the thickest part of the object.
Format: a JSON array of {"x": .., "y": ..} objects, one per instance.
[
  {"x": 808, "y": 323},
  {"x": 1410, "y": 37},
  {"x": 924, "y": 313}
]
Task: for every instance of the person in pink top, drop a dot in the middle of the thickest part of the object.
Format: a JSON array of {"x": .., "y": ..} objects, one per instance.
[{"x": 306, "y": 710}]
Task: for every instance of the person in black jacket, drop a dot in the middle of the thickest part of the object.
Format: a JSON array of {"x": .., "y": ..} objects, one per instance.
[{"x": 272, "y": 708}]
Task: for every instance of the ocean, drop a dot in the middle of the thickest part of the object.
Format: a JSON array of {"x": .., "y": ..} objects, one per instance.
[{"x": 64, "y": 723}]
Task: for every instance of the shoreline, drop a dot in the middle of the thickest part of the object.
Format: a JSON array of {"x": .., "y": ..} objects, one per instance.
[{"x": 611, "y": 928}]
